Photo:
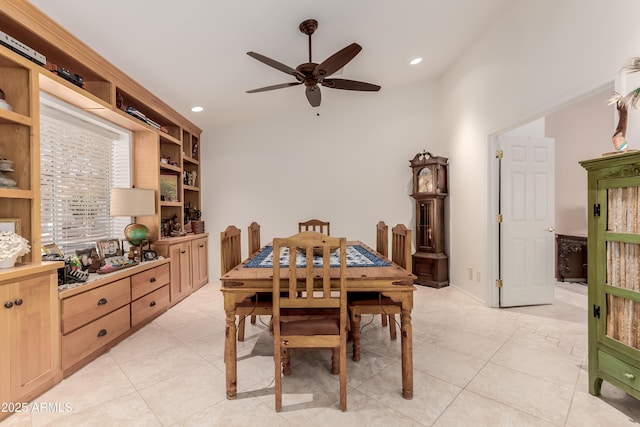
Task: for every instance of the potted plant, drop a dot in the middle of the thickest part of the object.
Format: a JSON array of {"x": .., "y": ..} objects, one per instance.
[{"x": 12, "y": 246}]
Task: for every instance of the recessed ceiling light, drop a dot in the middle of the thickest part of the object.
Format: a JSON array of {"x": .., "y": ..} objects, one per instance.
[
  {"x": 415, "y": 61},
  {"x": 197, "y": 109}
]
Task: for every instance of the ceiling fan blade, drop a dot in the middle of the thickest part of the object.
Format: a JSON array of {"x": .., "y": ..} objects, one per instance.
[
  {"x": 275, "y": 64},
  {"x": 337, "y": 60},
  {"x": 349, "y": 85},
  {"x": 313, "y": 95},
  {"x": 280, "y": 86}
]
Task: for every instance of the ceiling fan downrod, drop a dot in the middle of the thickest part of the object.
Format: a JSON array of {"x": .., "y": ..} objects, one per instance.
[{"x": 308, "y": 27}]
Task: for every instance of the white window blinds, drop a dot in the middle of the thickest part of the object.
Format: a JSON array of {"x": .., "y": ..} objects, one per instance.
[{"x": 81, "y": 160}]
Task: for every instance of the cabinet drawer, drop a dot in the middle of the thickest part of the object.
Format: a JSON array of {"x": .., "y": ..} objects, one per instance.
[
  {"x": 147, "y": 281},
  {"x": 84, "y": 341},
  {"x": 623, "y": 372},
  {"x": 149, "y": 305},
  {"x": 81, "y": 309}
]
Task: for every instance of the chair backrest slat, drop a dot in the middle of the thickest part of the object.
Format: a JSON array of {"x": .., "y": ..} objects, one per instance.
[
  {"x": 401, "y": 246},
  {"x": 382, "y": 238},
  {"x": 254, "y": 238},
  {"x": 230, "y": 249},
  {"x": 315, "y": 225},
  {"x": 316, "y": 280}
]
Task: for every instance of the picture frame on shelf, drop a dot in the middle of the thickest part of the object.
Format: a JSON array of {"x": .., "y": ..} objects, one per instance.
[
  {"x": 169, "y": 188},
  {"x": 52, "y": 249},
  {"x": 108, "y": 248},
  {"x": 10, "y": 224}
]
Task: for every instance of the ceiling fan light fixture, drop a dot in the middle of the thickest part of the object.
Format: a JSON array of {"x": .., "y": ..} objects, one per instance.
[
  {"x": 314, "y": 75},
  {"x": 415, "y": 61}
]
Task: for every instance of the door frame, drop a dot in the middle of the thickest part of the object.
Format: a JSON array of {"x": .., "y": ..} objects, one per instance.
[{"x": 492, "y": 295}]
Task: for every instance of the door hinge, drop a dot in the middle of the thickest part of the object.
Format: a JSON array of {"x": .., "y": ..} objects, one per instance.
[
  {"x": 596, "y": 209},
  {"x": 498, "y": 283},
  {"x": 596, "y": 311},
  {"x": 499, "y": 154},
  {"x": 499, "y": 218}
]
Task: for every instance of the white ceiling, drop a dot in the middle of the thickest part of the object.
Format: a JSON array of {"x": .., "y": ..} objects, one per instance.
[{"x": 193, "y": 52}]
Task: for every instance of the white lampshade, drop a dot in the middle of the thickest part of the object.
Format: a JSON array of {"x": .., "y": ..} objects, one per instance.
[{"x": 132, "y": 202}]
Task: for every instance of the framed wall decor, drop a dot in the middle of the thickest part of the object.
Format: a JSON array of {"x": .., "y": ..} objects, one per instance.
[
  {"x": 169, "y": 188},
  {"x": 10, "y": 224}
]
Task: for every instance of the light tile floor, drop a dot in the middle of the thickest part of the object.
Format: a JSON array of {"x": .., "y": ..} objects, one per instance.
[{"x": 473, "y": 366}]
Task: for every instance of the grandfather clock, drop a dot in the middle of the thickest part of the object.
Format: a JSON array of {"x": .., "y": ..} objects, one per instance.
[{"x": 430, "y": 263}]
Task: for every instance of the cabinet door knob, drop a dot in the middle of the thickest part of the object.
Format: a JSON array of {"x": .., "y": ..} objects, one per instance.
[
  {"x": 152, "y": 280},
  {"x": 183, "y": 251},
  {"x": 152, "y": 304},
  {"x": 18, "y": 301},
  {"x": 102, "y": 301},
  {"x": 630, "y": 376},
  {"x": 201, "y": 245},
  {"x": 102, "y": 332},
  {"x": 8, "y": 304}
]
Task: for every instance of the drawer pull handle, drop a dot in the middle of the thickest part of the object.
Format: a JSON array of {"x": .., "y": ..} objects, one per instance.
[
  {"x": 152, "y": 304},
  {"x": 102, "y": 301},
  {"x": 18, "y": 301},
  {"x": 630, "y": 376},
  {"x": 183, "y": 251},
  {"x": 201, "y": 245},
  {"x": 102, "y": 332},
  {"x": 152, "y": 280},
  {"x": 8, "y": 304}
]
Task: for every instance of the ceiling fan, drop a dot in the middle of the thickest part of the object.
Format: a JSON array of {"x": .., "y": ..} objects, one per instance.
[{"x": 312, "y": 74}]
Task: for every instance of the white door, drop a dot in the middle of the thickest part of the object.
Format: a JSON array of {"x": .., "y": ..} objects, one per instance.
[{"x": 527, "y": 238}]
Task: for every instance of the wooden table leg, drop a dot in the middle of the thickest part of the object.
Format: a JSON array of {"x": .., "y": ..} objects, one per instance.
[
  {"x": 407, "y": 353},
  {"x": 230, "y": 355},
  {"x": 355, "y": 335}
]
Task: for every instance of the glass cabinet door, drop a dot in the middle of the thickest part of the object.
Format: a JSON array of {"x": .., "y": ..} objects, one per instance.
[
  {"x": 425, "y": 237},
  {"x": 623, "y": 265}
]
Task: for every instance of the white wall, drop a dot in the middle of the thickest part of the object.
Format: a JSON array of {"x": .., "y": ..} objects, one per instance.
[
  {"x": 581, "y": 131},
  {"x": 349, "y": 166},
  {"x": 539, "y": 55}
]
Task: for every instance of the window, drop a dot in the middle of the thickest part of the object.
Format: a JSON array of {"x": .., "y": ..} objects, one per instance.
[{"x": 81, "y": 159}]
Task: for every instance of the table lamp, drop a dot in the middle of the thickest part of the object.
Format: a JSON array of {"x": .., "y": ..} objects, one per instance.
[{"x": 133, "y": 202}]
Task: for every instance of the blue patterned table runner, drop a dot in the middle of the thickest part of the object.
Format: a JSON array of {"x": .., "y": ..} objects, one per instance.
[{"x": 357, "y": 256}]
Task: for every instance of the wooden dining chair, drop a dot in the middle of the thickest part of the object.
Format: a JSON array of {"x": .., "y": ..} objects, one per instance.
[
  {"x": 230, "y": 249},
  {"x": 253, "y": 237},
  {"x": 230, "y": 257},
  {"x": 262, "y": 301},
  {"x": 311, "y": 313},
  {"x": 378, "y": 303},
  {"x": 315, "y": 225}
]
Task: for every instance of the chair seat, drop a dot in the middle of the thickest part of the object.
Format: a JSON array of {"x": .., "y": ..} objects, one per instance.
[{"x": 310, "y": 325}]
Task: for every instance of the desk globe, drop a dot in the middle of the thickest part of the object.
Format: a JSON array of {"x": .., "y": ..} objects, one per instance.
[{"x": 136, "y": 233}]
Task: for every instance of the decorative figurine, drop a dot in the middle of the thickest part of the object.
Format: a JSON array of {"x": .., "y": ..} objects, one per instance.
[{"x": 622, "y": 102}]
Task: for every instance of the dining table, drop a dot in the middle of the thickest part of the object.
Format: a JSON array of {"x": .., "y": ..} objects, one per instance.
[{"x": 367, "y": 271}]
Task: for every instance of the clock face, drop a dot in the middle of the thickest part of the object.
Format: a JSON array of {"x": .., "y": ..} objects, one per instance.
[{"x": 425, "y": 181}]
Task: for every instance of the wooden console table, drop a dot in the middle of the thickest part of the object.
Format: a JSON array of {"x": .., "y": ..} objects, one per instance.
[{"x": 571, "y": 258}]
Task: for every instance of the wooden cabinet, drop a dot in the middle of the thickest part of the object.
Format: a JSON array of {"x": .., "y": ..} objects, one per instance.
[
  {"x": 19, "y": 188},
  {"x": 571, "y": 258},
  {"x": 30, "y": 350},
  {"x": 97, "y": 315},
  {"x": 199, "y": 262},
  {"x": 107, "y": 92},
  {"x": 430, "y": 262},
  {"x": 613, "y": 271},
  {"x": 189, "y": 259}
]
